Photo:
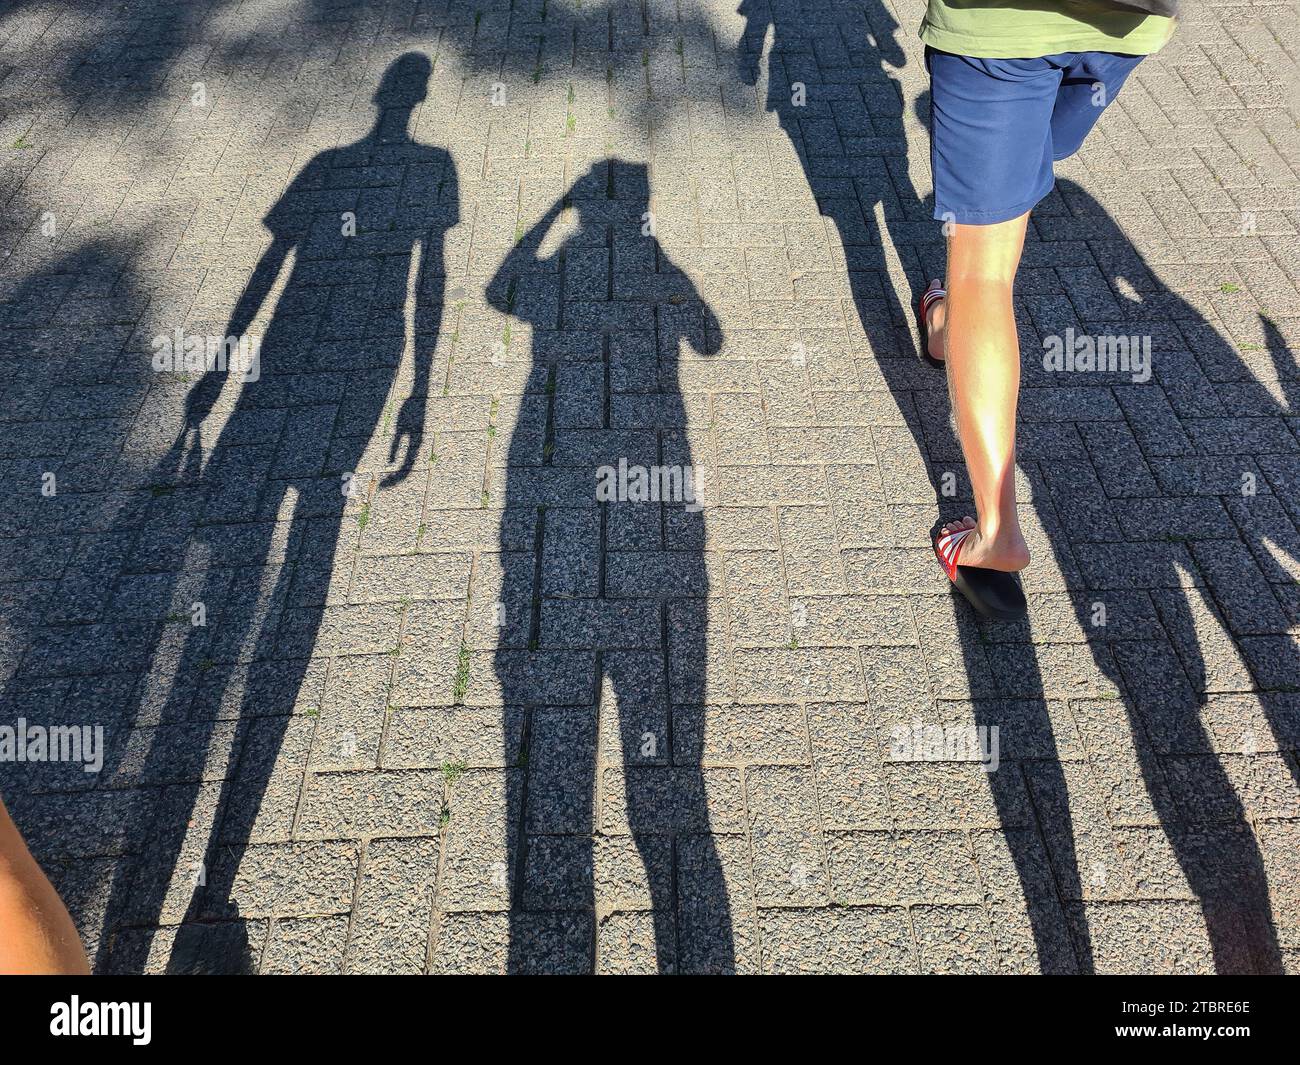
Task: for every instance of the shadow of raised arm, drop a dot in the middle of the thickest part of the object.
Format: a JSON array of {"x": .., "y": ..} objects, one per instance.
[{"x": 523, "y": 258}]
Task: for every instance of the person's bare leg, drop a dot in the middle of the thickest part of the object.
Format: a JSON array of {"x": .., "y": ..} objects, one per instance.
[
  {"x": 974, "y": 331},
  {"x": 36, "y": 933}
]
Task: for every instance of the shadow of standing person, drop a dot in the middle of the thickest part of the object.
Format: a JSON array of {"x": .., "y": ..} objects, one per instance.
[
  {"x": 365, "y": 224},
  {"x": 60, "y": 553},
  {"x": 608, "y": 670},
  {"x": 843, "y": 113}
]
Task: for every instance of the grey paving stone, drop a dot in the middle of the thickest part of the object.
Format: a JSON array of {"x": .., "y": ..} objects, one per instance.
[
  {"x": 1161, "y": 937},
  {"x": 889, "y": 869},
  {"x": 730, "y": 734},
  {"x": 306, "y": 946},
  {"x": 954, "y": 795},
  {"x": 395, "y": 803},
  {"x": 953, "y": 940},
  {"x": 392, "y": 916},
  {"x": 824, "y": 940},
  {"x": 289, "y": 880},
  {"x": 480, "y": 943},
  {"x": 826, "y": 674},
  {"x": 430, "y": 737},
  {"x": 625, "y": 945},
  {"x": 1239, "y": 588},
  {"x": 668, "y": 800},
  {"x": 220, "y": 948}
]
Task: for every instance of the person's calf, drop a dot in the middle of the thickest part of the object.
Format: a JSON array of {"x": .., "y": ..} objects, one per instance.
[
  {"x": 982, "y": 355},
  {"x": 986, "y": 253}
]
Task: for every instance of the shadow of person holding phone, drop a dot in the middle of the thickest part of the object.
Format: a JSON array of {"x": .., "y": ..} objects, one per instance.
[{"x": 602, "y": 665}]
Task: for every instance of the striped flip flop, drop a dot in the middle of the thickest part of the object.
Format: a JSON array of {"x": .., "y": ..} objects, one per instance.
[
  {"x": 993, "y": 592},
  {"x": 928, "y": 299}
]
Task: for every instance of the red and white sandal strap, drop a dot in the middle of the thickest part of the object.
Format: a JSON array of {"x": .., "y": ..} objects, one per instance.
[
  {"x": 930, "y": 297},
  {"x": 948, "y": 548}
]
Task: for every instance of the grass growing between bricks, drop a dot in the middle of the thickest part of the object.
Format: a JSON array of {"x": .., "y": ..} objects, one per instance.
[
  {"x": 461, "y": 682},
  {"x": 451, "y": 772}
]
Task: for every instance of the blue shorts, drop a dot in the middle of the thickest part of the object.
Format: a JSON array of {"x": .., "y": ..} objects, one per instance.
[{"x": 997, "y": 125}]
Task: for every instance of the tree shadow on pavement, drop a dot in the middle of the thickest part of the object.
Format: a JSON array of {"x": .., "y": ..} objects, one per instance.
[{"x": 110, "y": 63}]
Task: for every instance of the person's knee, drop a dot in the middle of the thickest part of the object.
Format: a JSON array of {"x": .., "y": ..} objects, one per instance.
[{"x": 986, "y": 255}]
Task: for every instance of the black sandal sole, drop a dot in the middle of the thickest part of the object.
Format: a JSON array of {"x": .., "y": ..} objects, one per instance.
[{"x": 994, "y": 593}]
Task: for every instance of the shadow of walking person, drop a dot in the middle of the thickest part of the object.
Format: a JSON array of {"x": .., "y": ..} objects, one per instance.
[
  {"x": 829, "y": 83},
  {"x": 605, "y": 676},
  {"x": 1093, "y": 526},
  {"x": 363, "y": 226},
  {"x": 1193, "y": 487}
]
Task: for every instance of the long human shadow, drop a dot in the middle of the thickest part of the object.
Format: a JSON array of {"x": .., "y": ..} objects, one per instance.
[
  {"x": 846, "y": 126},
  {"x": 854, "y": 153},
  {"x": 263, "y": 514},
  {"x": 604, "y": 646},
  {"x": 1221, "y": 540}
]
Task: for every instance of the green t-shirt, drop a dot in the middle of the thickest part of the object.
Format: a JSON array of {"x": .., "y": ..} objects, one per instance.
[{"x": 1020, "y": 29}]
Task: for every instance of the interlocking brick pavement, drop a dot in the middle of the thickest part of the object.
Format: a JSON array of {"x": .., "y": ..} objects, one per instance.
[{"x": 448, "y": 709}]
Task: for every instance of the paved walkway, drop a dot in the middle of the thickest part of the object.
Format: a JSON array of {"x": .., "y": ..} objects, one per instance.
[{"x": 485, "y": 682}]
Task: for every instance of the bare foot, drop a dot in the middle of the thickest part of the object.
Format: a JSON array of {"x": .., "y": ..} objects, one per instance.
[
  {"x": 1007, "y": 552},
  {"x": 935, "y": 318}
]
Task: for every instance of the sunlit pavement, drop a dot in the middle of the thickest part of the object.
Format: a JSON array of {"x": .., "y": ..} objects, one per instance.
[{"x": 622, "y": 646}]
